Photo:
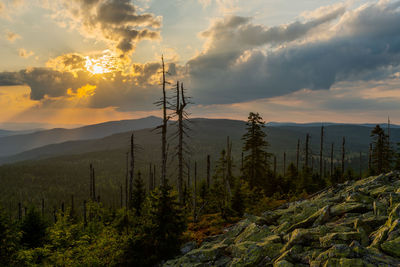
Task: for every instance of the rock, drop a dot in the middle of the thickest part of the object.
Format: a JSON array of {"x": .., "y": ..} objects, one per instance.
[
  {"x": 253, "y": 232},
  {"x": 352, "y": 224},
  {"x": 346, "y": 207},
  {"x": 392, "y": 247},
  {"x": 189, "y": 246},
  {"x": 339, "y": 238}
]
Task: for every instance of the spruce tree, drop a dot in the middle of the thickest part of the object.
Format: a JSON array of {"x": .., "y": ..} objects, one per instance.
[
  {"x": 33, "y": 229},
  {"x": 237, "y": 203},
  {"x": 8, "y": 239},
  {"x": 381, "y": 151},
  {"x": 256, "y": 157},
  {"x": 167, "y": 222},
  {"x": 139, "y": 194}
]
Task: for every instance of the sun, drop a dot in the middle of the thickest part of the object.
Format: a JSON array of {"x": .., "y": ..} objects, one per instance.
[{"x": 99, "y": 65}]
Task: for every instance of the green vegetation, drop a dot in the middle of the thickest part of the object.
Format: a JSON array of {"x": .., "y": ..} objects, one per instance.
[{"x": 151, "y": 226}]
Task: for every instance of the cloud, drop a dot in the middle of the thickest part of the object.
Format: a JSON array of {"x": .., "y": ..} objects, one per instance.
[
  {"x": 113, "y": 21},
  {"x": 12, "y": 36},
  {"x": 2, "y": 8},
  {"x": 82, "y": 92},
  {"x": 243, "y": 61},
  {"x": 25, "y": 54},
  {"x": 68, "y": 77}
]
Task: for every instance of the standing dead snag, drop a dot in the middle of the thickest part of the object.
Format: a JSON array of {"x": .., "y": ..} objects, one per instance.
[
  {"x": 320, "y": 152},
  {"x": 343, "y": 155},
  {"x": 164, "y": 104},
  {"x": 164, "y": 128},
  {"x": 92, "y": 184},
  {"x": 126, "y": 180},
  {"x": 131, "y": 171},
  {"x": 180, "y": 106},
  {"x": 209, "y": 168}
]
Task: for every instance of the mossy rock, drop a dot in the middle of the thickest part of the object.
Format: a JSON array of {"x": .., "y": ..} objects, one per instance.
[
  {"x": 253, "y": 232},
  {"x": 392, "y": 247},
  {"x": 347, "y": 207},
  {"x": 339, "y": 238}
]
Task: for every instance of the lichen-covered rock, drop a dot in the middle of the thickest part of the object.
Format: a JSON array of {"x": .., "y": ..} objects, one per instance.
[{"x": 352, "y": 224}]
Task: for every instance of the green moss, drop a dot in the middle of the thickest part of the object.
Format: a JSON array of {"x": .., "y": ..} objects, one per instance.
[{"x": 392, "y": 247}]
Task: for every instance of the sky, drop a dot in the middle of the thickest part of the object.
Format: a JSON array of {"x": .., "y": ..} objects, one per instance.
[{"x": 74, "y": 62}]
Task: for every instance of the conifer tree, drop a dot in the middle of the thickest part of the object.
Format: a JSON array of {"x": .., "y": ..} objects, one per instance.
[
  {"x": 381, "y": 152},
  {"x": 8, "y": 239},
  {"x": 139, "y": 194},
  {"x": 237, "y": 203},
  {"x": 256, "y": 159},
  {"x": 33, "y": 229},
  {"x": 167, "y": 221}
]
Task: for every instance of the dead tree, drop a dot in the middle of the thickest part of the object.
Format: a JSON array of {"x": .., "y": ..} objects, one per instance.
[
  {"x": 331, "y": 174},
  {"x": 180, "y": 112},
  {"x": 121, "y": 197},
  {"x": 195, "y": 193},
  {"x": 274, "y": 166},
  {"x": 164, "y": 104},
  {"x": 42, "y": 207},
  {"x": 209, "y": 170},
  {"x": 151, "y": 185},
  {"x": 306, "y": 152},
  {"x": 297, "y": 154},
  {"x": 126, "y": 180},
  {"x": 92, "y": 183},
  {"x": 84, "y": 214},
  {"x": 370, "y": 158},
  {"x": 360, "y": 165},
  {"x": 229, "y": 165},
  {"x": 284, "y": 164},
  {"x": 131, "y": 170},
  {"x": 72, "y": 211},
  {"x": 321, "y": 152},
  {"x": 343, "y": 154}
]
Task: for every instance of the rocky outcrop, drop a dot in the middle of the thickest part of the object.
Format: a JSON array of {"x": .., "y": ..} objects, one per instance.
[{"x": 352, "y": 224}]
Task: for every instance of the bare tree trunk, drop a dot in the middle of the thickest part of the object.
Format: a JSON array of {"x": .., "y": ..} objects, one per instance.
[
  {"x": 19, "y": 211},
  {"x": 131, "y": 171},
  {"x": 208, "y": 171},
  {"x": 307, "y": 143},
  {"x": 84, "y": 213},
  {"x": 228, "y": 166},
  {"x": 370, "y": 158},
  {"x": 321, "y": 152},
  {"x": 164, "y": 128},
  {"x": 121, "y": 197},
  {"x": 195, "y": 193},
  {"x": 126, "y": 181},
  {"x": 332, "y": 160},
  {"x": 274, "y": 166},
  {"x": 42, "y": 207},
  {"x": 297, "y": 154},
  {"x": 72, "y": 205},
  {"x": 284, "y": 164},
  {"x": 242, "y": 161},
  {"x": 93, "y": 184},
  {"x": 91, "y": 181},
  {"x": 360, "y": 165},
  {"x": 151, "y": 185},
  {"x": 343, "y": 155},
  {"x": 154, "y": 176}
]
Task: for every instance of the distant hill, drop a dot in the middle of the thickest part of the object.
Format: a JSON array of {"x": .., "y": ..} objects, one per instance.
[
  {"x": 14, "y": 144},
  {"x": 58, "y": 170}
]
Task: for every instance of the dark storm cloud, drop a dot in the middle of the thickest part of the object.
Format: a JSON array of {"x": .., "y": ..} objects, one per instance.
[
  {"x": 364, "y": 44},
  {"x": 115, "y": 21}
]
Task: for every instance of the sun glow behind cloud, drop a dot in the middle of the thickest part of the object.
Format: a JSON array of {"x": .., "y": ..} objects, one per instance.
[{"x": 101, "y": 65}]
